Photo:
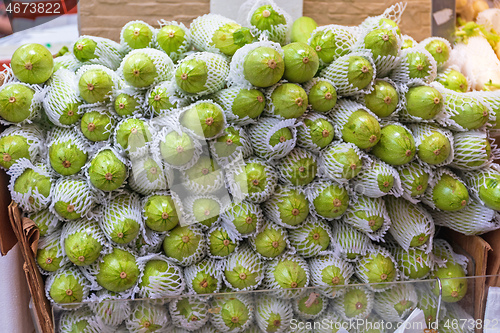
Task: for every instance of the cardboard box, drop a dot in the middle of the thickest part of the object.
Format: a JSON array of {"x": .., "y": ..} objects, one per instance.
[{"x": 105, "y": 18}]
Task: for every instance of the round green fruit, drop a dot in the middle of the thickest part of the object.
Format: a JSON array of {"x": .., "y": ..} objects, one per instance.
[
  {"x": 82, "y": 248},
  {"x": 359, "y": 72},
  {"x": 301, "y": 62},
  {"x": 349, "y": 159},
  {"x": 96, "y": 126},
  {"x": 139, "y": 70},
  {"x": 414, "y": 178},
  {"x": 469, "y": 113},
  {"x": 382, "y": 43},
  {"x": 292, "y": 206},
  {"x": 453, "y": 80},
  {"x": 171, "y": 38},
  {"x": 32, "y": 63},
  {"x": 288, "y": 273},
  {"x": 231, "y": 37},
  {"x": 95, "y": 85},
  {"x": 355, "y": 302},
  {"x": 16, "y": 102},
  {"x": 450, "y": 194},
  {"x": 489, "y": 192},
  {"x": 192, "y": 75},
  {"x": 220, "y": 244},
  {"x": 132, "y": 134},
  {"x": 177, "y": 149},
  {"x": 137, "y": 35},
  {"x": 377, "y": 268},
  {"x": 289, "y": 101},
  {"x": 30, "y": 180},
  {"x": 12, "y": 148},
  {"x": 331, "y": 202},
  {"x": 362, "y": 129},
  {"x": 227, "y": 144},
  {"x": 107, "y": 172},
  {"x": 419, "y": 65},
  {"x": 204, "y": 119},
  {"x": 67, "y": 287},
  {"x": 424, "y": 102},
  {"x": 84, "y": 49},
  {"x": 320, "y": 130},
  {"x": 263, "y": 67},
  {"x": 322, "y": 96},
  {"x": 270, "y": 242},
  {"x": 182, "y": 242},
  {"x": 302, "y": 29},
  {"x": 160, "y": 213},
  {"x": 434, "y": 148},
  {"x": 206, "y": 211},
  {"x": 118, "y": 271},
  {"x": 265, "y": 18},
  {"x": 454, "y": 284},
  {"x": 439, "y": 51},
  {"x": 383, "y": 100},
  {"x": 396, "y": 145},
  {"x": 49, "y": 258},
  {"x": 66, "y": 158},
  {"x": 248, "y": 103}
]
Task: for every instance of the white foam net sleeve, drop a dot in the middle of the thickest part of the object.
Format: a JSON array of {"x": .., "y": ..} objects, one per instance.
[
  {"x": 244, "y": 261},
  {"x": 161, "y": 138},
  {"x": 363, "y": 272},
  {"x": 194, "y": 318},
  {"x": 225, "y": 98},
  {"x": 443, "y": 253},
  {"x": 62, "y": 93},
  {"x": 332, "y": 266},
  {"x": 401, "y": 73},
  {"x": 279, "y": 33},
  {"x": 367, "y": 182},
  {"x": 315, "y": 298},
  {"x": 304, "y": 139},
  {"x": 282, "y": 234},
  {"x": 186, "y": 43},
  {"x": 458, "y": 105},
  {"x": 267, "y": 307},
  {"x": 69, "y": 319},
  {"x": 138, "y": 143},
  {"x": 337, "y": 37},
  {"x": 217, "y": 72},
  {"x": 364, "y": 212},
  {"x": 147, "y": 175},
  {"x": 348, "y": 242},
  {"x": 203, "y": 28},
  {"x": 338, "y": 303},
  {"x": 330, "y": 168},
  {"x": 343, "y": 110},
  {"x": 67, "y": 61},
  {"x": 109, "y": 308},
  {"x": 334, "y": 321},
  {"x": 189, "y": 203},
  {"x": 236, "y": 76},
  {"x": 409, "y": 221},
  {"x": 83, "y": 226},
  {"x": 338, "y": 71},
  {"x": 46, "y": 222},
  {"x": 162, "y": 284},
  {"x": 34, "y": 137},
  {"x": 35, "y": 104},
  {"x": 75, "y": 194},
  {"x": 107, "y": 52},
  {"x": 241, "y": 151},
  {"x": 408, "y": 175},
  {"x": 286, "y": 166},
  {"x": 428, "y": 197},
  {"x": 493, "y": 99},
  {"x": 208, "y": 180},
  {"x": 411, "y": 260},
  {"x": 222, "y": 234},
  {"x": 422, "y": 131},
  {"x": 237, "y": 212},
  {"x": 474, "y": 219},
  {"x": 136, "y": 94},
  {"x": 122, "y": 207},
  {"x": 425, "y": 42},
  {"x": 237, "y": 181},
  {"x": 261, "y": 133},
  {"x": 220, "y": 323},
  {"x": 428, "y": 302},
  {"x": 146, "y": 314},
  {"x": 302, "y": 238},
  {"x": 271, "y": 207},
  {"x": 472, "y": 151},
  {"x": 156, "y": 94},
  {"x": 443, "y": 74},
  {"x": 211, "y": 267},
  {"x": 78, "y": 281},
  {"x": 32, "y": 200},
  {"x": 71, "y": 138},
  {"x": 151, "y": 243},
  {"x": 162, "y": 62},
  {"x": 394, "y": 13},
  {"x": 124, "y": 44},
  {"x": 404, "y": 115},
  {"x": 48, "y": 243},
  {"x": 402, "y": 294},
  {"x": 316, "y": 188}
]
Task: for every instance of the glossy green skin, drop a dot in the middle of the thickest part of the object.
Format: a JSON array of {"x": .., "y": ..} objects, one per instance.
[
  {"x": 204, "y": 172},
  {"x": 228, "y": 144},
  {"x": 418, "y": 64},
  {"x": 159, "y": 100},
  {"x": 217, "y": 247},
  {"x": 231, "y": 37},
  {"x": 414, "y": 272},
  {"x": 234, "y": 312},
  {"x": 96, "y": 126},
  {"x": 293, "y": 200},
  {"x": 177, "y": 149},
  {"x": 322, "y": 96},
  {"x": 332, "y": 202},
  {"x": 186, "y": 309},
  {"x": 377, "y": 221},
  {"x": 287, "y": 272},
  {"x": 205, "y": 119},
  {"x": 61, "y": 207},
  {"x": 155, "y": 209},
  {"x": 111, "y": 267},
  {"x": 434, "y": 149},
  {"x": 62, "y": 285},
  {"x": 350, "y": 160},
  {"x": 455, "y": 81},
  {"x": 490, "y": 192},
  {"x": 263, "y": 67},
  {"x": 82, "y": 248},
  {"x": 303, "y": 171},
  {"x": 15, "y": 102},
  {"x": 66, "y": 158},
  {"x": 128, "y": 227},
  {"x": 199, "y": 281},
  {"x": 424, "y": 102},
  {"x": 133, "y": 134},
  {"x": 321, "y": 131},
  {"x": 40, "y": 59},
  {"x": 256, "y": 177},
  {"x": 396, "y": 145},
  {"x": 137, "y": 35},
  {"x": 470, "y": 116},
  {"x": 381, "y": 42},
  {"x": 302, "y": 29},
  {"x": 31, "y": 180},
  {"x": 175, "y": 247},
  {"x": 313, "y": 309},
  {"x": 249, "y": 280},
  {"x": 266, "y": 239},
  {"x": 378, "y": 266},
  {"x": 450, "y": 194},
  {"x": 206, "y": 211},
  {"x": 105, "y": 163},
  {"x": 170, "y": 39},
  {"x": 362, "y": 129},
  {"x": 439, "y": 51},
  {"x": 249, "y": 103},
  {"x": 359, "y": 72},
  {"x": 289, "y": 100},
  {"x": 84, "y": 49},
  {"x": 383, "y": 100},
  {"x": 139, "y": 70},
  {"x": 454, "y": 288},
  {"x": 156, "y": 268},
  {"x": 263, "y": 22},
  {"x": 47, "y": 258},
  {"x": 192, "y": 75},
  {"x": 419, "y": 240},
  {"x": 95, "y": 86},
  {"x": 244, "y": 220},
  {"x": 325, "y": 45},
  {"x": 280, "y": 136},
  {"x": 12, "y": 148},
  {"x": 355, "y": 302},
  {"x": 418, "y": 181},
  {"x": 385, "y": 182},
  {"x": 301, "y": 62},
  {"x": 70, "y": 114}
]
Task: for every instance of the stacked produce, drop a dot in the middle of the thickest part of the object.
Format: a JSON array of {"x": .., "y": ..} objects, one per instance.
[{"x": 248, "y": 156}]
